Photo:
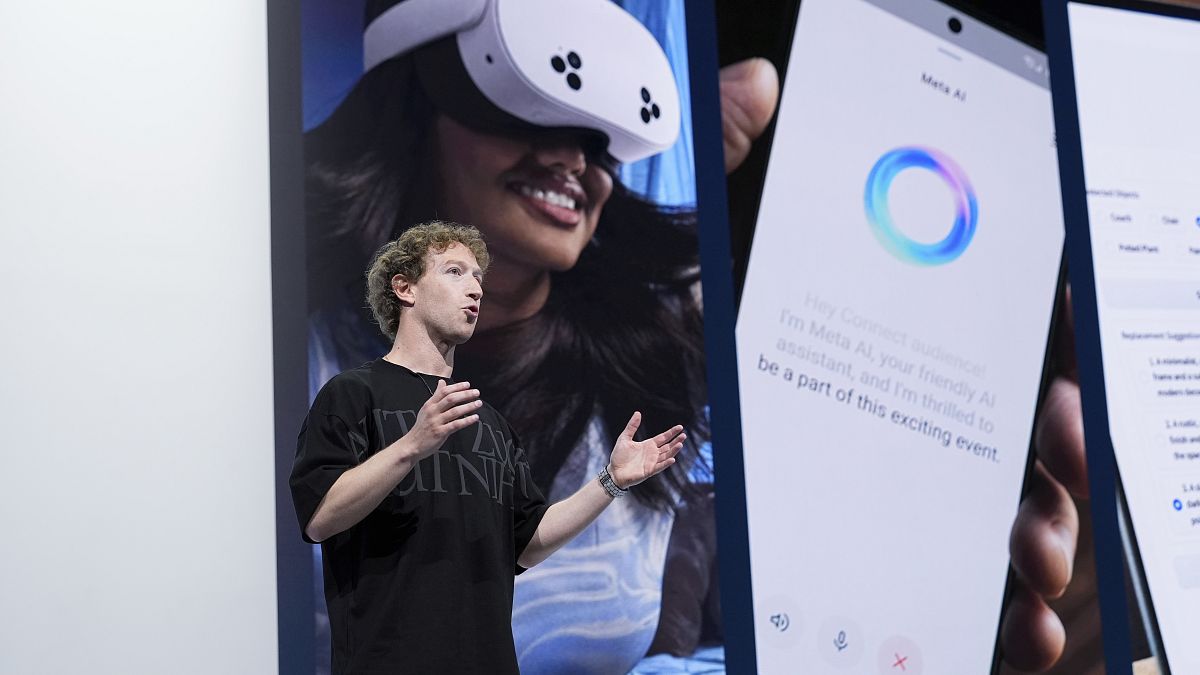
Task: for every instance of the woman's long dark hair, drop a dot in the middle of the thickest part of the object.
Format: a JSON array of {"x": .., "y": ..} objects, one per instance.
[{"x": 622, "y": 329}]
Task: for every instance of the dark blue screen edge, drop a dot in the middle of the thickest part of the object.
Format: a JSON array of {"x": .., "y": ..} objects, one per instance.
[
  {"x": 293, "y": 558},
  {"x": 1101, "y": 458},
  {"x": 1110, "y": 577},
  {"x": 716, "y": 270}
]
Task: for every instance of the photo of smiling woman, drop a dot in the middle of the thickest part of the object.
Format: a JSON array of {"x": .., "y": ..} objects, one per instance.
[{"x": 591, "y": 303}]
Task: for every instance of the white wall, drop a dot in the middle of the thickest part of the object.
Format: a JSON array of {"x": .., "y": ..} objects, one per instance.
[{"x": 136, "y": 449}]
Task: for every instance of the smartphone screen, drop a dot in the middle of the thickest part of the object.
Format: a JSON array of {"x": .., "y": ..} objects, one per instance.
[
  {"x": 892, "y": 334},
  {"x": 1137, "y": 88}
]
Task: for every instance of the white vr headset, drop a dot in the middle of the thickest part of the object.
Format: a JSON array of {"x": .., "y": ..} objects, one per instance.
[{"x": 583, "y": 64}]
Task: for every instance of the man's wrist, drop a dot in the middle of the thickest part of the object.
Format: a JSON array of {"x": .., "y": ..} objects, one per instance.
[
  {"x": 610, "y": 484},
  {"x": 407, "y": 453}
]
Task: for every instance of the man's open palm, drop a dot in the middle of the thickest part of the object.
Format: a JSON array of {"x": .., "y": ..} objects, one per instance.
[{"x": 633, "y": 461}]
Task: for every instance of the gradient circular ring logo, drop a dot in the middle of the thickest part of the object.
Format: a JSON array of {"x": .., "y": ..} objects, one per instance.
[{"x": 879, "y": 181}]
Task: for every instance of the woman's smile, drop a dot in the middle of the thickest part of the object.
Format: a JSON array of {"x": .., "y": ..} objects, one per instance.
[
  {"x": 557, "y": 198},
  {"x": 536, "y": 199}
]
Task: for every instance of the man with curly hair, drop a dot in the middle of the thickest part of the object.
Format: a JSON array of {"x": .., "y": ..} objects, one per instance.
[{"x": 419, "y": 492}]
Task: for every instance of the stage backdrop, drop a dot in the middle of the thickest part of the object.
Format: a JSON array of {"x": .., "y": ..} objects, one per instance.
[{"x": 622, "y": 329}]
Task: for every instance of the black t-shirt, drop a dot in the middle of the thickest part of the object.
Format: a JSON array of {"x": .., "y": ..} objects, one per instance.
[{"x": 424, "y": 584}]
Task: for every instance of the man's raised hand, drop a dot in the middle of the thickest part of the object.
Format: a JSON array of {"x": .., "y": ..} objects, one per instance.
[
  {"x": 451, "y": 408},
  {"x": 633, "y": 461}
]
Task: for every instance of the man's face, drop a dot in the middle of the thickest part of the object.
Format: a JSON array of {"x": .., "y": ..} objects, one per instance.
[{"x": 446, "y": 297}]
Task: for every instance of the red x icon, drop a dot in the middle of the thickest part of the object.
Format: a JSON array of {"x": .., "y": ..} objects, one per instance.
[{"x": 897, "y": 655}]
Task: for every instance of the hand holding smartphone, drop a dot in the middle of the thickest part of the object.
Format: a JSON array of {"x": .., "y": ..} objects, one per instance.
[{"x": 894, "y": 317}]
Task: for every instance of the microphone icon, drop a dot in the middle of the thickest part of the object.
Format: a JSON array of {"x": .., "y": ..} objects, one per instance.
[{"x": 840, "y": 641}]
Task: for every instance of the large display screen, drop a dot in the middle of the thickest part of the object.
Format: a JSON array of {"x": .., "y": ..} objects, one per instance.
[
  {"x": 1138, "y": 91},
  {"x": 592, "y": 303},
  {"x": 892, "y": 334}
]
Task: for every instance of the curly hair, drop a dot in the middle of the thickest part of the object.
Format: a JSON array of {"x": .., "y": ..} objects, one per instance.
[{"x": 406, "y": 256}]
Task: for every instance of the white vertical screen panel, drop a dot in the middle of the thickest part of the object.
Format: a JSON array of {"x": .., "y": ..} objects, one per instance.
[{"x": 137, "y": 509}]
